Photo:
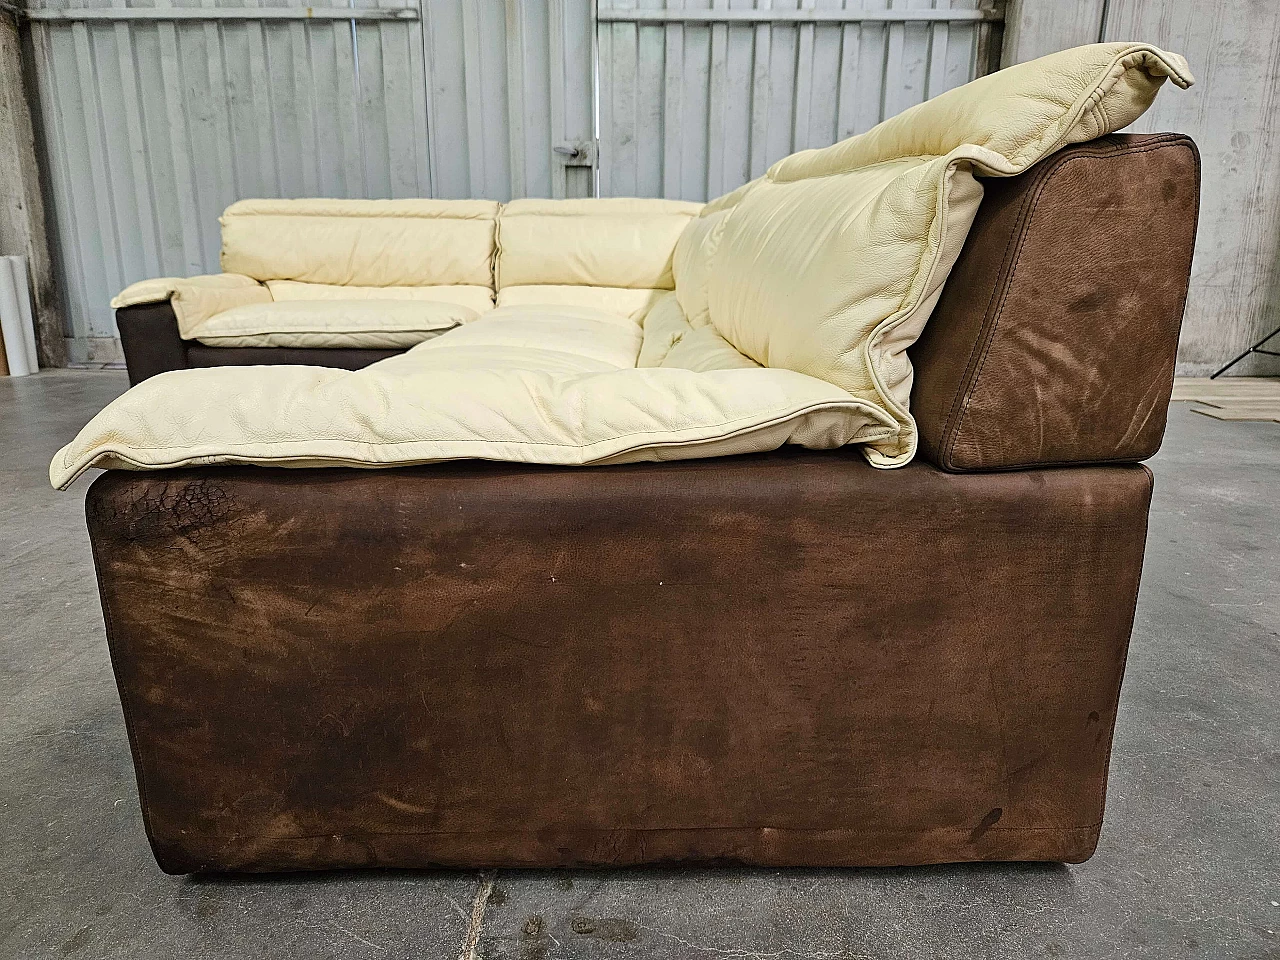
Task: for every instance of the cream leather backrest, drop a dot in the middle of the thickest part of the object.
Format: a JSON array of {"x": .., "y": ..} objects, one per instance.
[
  {"x": 613, "y": 254},
  {"x": 831, "y": 263},
  {"x": 362, "y": 243}
]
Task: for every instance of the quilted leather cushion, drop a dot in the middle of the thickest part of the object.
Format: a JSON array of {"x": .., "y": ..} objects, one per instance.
[
  {"x": 331, "y": 323},
  {"x": 371, "y": 243},
  {"x": 616, "y": 242},
  {"x": 536, "y": 386},
  {"x": 831, "y": 263}
]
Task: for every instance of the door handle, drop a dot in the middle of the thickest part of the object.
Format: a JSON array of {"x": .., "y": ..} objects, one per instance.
[{"x": 579, "y": 154}]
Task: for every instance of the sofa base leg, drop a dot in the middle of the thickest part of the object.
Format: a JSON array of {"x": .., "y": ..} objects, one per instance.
[{"x": 764, "y": 847}]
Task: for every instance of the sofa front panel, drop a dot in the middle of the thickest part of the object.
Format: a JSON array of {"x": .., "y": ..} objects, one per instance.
[
  {"x": 717, "y": 660},
  {"x": 198, "y": 356},
  {"x": 618, "y": 242},
  {"x": 370, "y": 243}
]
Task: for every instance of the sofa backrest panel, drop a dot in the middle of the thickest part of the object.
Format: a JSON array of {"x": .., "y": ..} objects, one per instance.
[
  {"x": 614, "y": 242},
  {"x": 1055, "y": 337},
  {"x": 370, "y": 243}
]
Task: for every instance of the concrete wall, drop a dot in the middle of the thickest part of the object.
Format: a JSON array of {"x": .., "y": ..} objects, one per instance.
[
  {"x": 22, "y": 214},
  {"x": 1233, "y": 113}
]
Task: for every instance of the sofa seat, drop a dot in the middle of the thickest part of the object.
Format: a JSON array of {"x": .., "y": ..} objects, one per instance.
[
  {"x": 367, "y": 323},
  {"x": 782, "y": 312},
  {"x": 545, "y": 384}
]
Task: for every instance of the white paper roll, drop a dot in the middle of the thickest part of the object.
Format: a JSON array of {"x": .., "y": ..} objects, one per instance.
[
  {"x": 15, "y": 342},
  {"x": 23, "y": 284}
]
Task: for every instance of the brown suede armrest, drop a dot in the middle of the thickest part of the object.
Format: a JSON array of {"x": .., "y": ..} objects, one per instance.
[
  {"x": 149, "y": 336},
  {"x": 1055, "y": 338},
  {"x": 152, "y": 345}
]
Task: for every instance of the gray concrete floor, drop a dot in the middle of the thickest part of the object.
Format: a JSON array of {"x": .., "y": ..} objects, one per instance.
[{"x": 1189, "y": 864}]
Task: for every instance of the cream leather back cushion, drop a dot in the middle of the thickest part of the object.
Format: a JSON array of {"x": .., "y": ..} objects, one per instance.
[
  {"x": 831, "y": 263},
  {"x": 370, "y": 243},
  {"x": 599, "y": 243}
]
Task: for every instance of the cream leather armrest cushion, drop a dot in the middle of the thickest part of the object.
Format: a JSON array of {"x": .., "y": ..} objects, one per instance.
[
  {"x": 194, "y": 299},
  {"x": 367, "y": 324}
]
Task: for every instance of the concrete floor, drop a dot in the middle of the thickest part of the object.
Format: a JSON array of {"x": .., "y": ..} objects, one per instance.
[{"x": 1189, "y": 864}]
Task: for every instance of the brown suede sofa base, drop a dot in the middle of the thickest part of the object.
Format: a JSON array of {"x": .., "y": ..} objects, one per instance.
[
  {"x": 785, "y": 659},
  {"x": 782, "y": 659}
]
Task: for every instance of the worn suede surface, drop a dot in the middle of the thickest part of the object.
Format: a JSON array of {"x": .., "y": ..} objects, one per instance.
[
  {"x": 150, "y": 340},
  {"x": 1056, "y": 336},
  {"x": 788, "y": 658}
]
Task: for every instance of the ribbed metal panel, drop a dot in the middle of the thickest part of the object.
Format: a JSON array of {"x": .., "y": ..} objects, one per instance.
[
  {"x": 691, "y": 110},
  {"x": 153, "y": 127}
]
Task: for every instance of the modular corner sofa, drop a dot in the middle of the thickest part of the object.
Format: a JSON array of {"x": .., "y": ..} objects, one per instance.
[
  {"x": 345, "y": 283},
  {"x": 336, "y": 651}
]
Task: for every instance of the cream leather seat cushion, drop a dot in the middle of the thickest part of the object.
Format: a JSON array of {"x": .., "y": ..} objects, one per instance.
[
  {"x": 331, "y": 323},
  {"x": 670, "y": 340},
  {"x": 194, "y": 299},
  {"x": 535, "y": 386}
]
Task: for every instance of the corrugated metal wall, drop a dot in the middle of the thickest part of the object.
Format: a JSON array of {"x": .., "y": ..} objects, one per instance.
[
  {"x": 1233, "y": 114},
  {"x": 151, "y": 128},
  {"x": 693, "y": 110}
]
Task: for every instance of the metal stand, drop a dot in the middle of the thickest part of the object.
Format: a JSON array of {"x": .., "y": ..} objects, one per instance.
[{"x": 1256, "y": 348}]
